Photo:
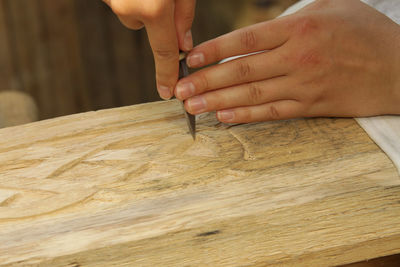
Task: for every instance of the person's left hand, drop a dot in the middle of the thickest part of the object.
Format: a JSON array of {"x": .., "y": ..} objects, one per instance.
[{"x": 332, "y": 58}]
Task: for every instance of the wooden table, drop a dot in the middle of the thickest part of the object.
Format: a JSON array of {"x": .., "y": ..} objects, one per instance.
[{"x": 129, "y": 187}]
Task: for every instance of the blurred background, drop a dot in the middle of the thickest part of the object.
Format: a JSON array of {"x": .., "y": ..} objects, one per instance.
[{"x": 74, "y": 56}]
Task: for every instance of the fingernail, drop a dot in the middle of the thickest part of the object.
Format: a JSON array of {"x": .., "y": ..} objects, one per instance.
[
  {"x": 185, "y": 90},
  {"x": 225, "y": 115},
  {"x": 164, "y": 91},
  {"x": 197, "y": 104},
  {"x": 195, "y": 60},
  {"x": 188, "y": 41}
]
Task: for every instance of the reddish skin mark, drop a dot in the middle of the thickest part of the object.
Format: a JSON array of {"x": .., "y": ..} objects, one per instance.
[
  {"x": 306, "y": 26},
  {"x": 310, "y": 57}
]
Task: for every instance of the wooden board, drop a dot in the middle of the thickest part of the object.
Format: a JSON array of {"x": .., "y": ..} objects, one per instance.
[{"x": 129, "y": 187}]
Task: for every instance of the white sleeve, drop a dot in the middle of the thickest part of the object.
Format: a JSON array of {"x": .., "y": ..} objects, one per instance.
[{"x": 390, "y": 8}]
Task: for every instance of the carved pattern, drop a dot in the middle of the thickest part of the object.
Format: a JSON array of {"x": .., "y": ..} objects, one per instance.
[
  {"x": 131, "y": 185},
  {"x": 93, "y": 167}
]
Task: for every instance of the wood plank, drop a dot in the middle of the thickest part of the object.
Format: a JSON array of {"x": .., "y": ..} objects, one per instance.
[{"x": 128, "y": 186}]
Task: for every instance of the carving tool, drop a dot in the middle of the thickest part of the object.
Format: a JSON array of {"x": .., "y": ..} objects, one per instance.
[{"x": 183, "y": 72}]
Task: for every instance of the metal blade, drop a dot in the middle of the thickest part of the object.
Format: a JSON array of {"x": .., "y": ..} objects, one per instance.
[{"x": 190, "y": 119}]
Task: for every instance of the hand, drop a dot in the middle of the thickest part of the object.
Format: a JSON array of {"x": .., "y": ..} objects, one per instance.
[
  {"x": 168, "y": 24},
  {"x": 332, "y": 58}
]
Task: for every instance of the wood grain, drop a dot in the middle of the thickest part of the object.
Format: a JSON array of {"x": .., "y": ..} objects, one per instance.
[{"x": 129, "y": 187}]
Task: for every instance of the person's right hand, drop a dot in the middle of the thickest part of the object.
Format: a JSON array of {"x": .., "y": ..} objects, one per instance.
[
  {"x": 330, "y": 59},
  {"x": 168, "y": 24}
]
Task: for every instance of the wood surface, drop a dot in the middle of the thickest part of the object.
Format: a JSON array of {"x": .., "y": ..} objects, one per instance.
[{"x": 129, "y": 187}]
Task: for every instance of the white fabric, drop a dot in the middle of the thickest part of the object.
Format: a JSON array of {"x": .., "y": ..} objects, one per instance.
[
  {"x": 384, "y": 130},
  {"x": 390, "y": 8}
]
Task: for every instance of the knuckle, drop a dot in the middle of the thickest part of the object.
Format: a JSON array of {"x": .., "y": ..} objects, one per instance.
[
  {"x": 133, "y": 25},
  {"x": 215, "y": 50},
  {"x": 248, "y": 39},
  {"x": 204, "y": 82},
  {"x": 273, "y": 113},
  {"x": 307, "y": 109},
  {"x": 248, "y": 116},
  {"x": 187, "y": 19},
  {"x": 243, "y": 69},
  {"x": 148, "y": 12},
  {"x": 310, "y": 57},
  {"x": 286, "y": 57},
  {"x": 119, "y": 8},
  {"x": 305, "y": 25},
  {"x": 315, "y": 99},
  {"x": 254, "y": 93},
  {"x": 165, "y": 54},
  {"x": 216, "y": 100},
  {"x": 153, "y": 10}
]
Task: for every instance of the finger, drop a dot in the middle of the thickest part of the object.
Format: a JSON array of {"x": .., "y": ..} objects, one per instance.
[
  {"x": 258, "y": 67},
  {"x": 280, "y": 110},
  {"x": 249, "y": 94},
  {"x": 164, "y": 43},
  {"x": 184, "y": 15},
  {"x": 131, "y": 23},
  {"x": 124, "y": 13},
  {"x": 262, "y": 36}
]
